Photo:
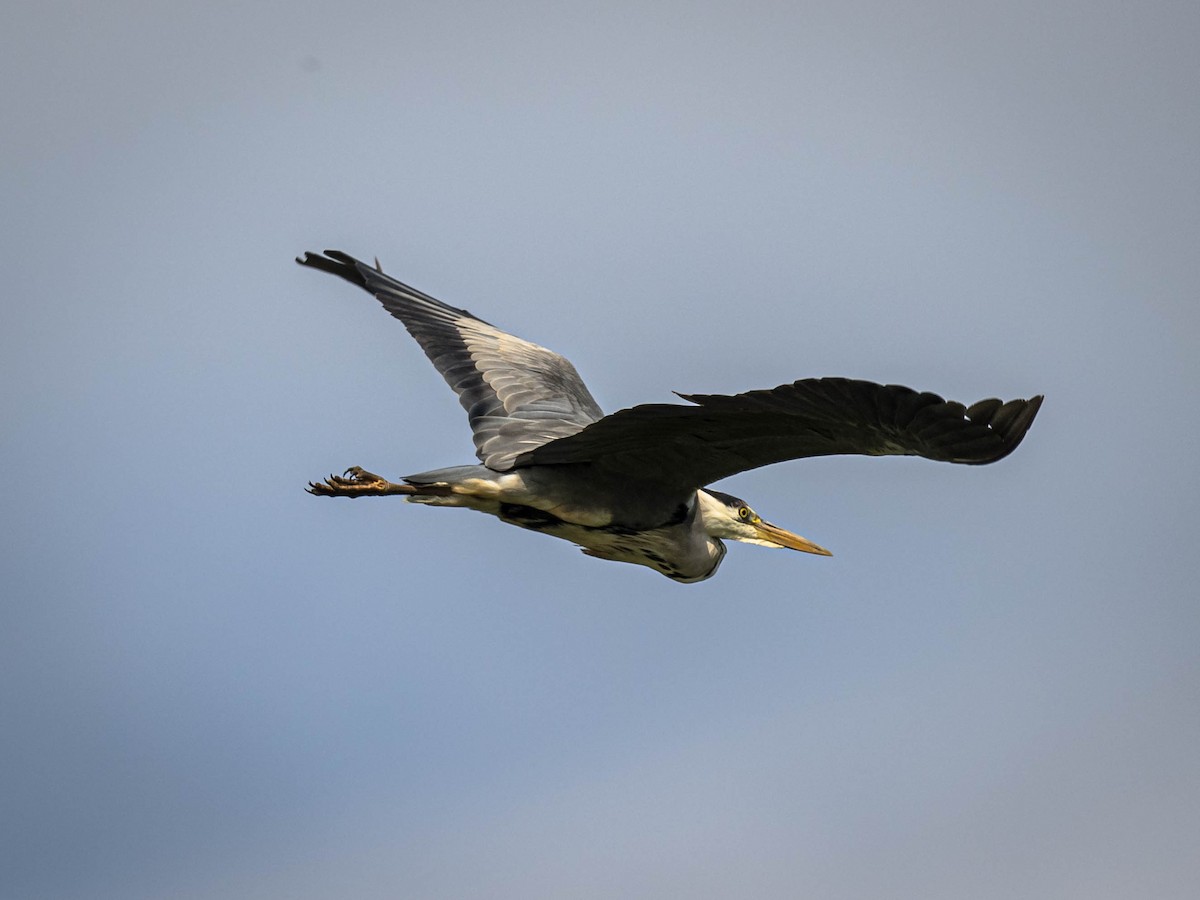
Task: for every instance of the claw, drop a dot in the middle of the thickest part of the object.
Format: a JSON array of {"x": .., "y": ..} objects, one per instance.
[{"x": 355, "y": 482}]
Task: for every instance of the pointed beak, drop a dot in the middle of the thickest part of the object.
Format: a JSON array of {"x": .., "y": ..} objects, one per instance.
[{"x": 776, "y": 535}]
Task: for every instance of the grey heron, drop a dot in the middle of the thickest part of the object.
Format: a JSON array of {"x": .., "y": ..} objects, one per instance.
[{"x": 631, "y": 486}]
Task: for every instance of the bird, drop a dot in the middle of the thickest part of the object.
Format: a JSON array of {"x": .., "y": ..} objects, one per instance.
[{"x": 633, "y": 486}]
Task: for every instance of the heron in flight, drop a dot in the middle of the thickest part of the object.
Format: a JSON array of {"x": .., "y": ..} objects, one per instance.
[{"x": 631, "y": 486}]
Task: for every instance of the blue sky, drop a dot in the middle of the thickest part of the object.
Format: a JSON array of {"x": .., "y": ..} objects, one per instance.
[{"x": 214, "y": 685}]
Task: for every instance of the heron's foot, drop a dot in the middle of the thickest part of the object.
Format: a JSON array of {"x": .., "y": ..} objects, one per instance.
[{"x": 357, "y": 482}]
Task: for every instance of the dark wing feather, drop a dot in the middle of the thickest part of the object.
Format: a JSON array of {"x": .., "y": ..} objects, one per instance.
[
  {"x": 517, "y": 395},
  {"x": 686, "y": 447}
]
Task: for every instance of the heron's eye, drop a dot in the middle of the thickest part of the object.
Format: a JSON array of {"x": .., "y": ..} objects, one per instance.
[{"x": 744, "y": 514}]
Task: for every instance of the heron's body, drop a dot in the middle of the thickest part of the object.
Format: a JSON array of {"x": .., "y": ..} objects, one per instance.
[
  {"x": 675, "y": 543},
  {"x": 630, "y": 486}
]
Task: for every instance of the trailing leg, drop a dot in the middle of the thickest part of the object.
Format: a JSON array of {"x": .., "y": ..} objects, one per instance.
[{"x": 357, "y": 482}]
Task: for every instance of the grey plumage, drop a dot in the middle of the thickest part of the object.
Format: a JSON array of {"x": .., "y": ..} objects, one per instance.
[{"x": 517, "y": 395}]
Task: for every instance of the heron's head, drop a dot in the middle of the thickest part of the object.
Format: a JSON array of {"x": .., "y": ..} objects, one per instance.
[{"x": 732, "y": 518}]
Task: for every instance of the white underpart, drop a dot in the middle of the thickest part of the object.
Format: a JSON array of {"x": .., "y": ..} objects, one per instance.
[
  {"x": 683, "y": 551},
  {"x": 486, "y": 495}
]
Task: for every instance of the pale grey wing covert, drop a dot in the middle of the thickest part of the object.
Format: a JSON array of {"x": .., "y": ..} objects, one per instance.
[
  {"x": 517, "y": 395},
  {"x": 681, "y": 448}
]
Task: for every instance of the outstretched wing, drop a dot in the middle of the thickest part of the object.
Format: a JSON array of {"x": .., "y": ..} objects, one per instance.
[
  {"x": 517, "y": 395},
  {"x": 686, "y": 447}
]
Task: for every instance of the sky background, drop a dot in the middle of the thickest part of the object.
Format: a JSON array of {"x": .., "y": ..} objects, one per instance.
[{"x": 213, "y": 685}]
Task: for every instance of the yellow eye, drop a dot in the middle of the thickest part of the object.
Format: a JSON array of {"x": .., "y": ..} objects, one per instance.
[{"x": 745, "y": 513}]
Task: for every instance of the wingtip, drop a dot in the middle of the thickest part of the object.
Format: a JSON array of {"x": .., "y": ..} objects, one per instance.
[
  {"x": 335, "y": 262},
  {"x": 1014, "y": 428},
  {"x": 1033, "y": 405}
]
